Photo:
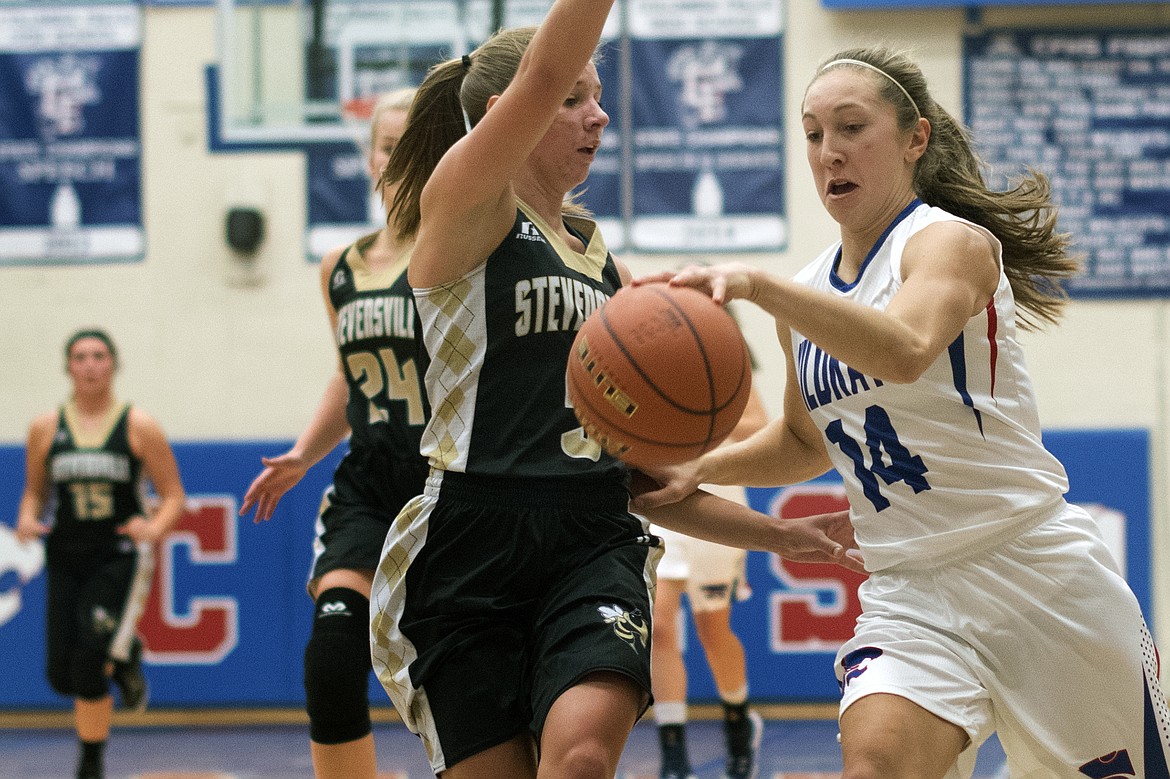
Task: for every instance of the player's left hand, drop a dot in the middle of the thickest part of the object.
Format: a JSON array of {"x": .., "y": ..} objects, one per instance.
[
  {"x": 821, "y": 538},
  {"x": 140, "y": 530}
]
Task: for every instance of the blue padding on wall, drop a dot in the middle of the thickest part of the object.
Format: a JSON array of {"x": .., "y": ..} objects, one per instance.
[{"x": 229, "y": 617}]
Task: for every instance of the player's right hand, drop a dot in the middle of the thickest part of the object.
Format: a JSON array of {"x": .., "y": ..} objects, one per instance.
[
  {"x": 654, "y": 487},
  {"x": 30, "y": 530},
  {"x": 280, "y": 475}
]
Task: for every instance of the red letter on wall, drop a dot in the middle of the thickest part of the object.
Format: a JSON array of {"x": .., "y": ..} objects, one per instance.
[
  {"x": 817, "y": 607},
  {"x": 206, "y": 629}
]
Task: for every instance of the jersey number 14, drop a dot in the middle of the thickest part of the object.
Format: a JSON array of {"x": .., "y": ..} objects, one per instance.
[{"x": 879, "y": 437}]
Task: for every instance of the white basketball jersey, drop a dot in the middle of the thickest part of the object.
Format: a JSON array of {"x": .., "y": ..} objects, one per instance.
[{"x": 950, "y": 463}]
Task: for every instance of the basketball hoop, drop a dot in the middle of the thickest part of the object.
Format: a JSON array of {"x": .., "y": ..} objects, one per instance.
[{"x": 356, "y": 113}]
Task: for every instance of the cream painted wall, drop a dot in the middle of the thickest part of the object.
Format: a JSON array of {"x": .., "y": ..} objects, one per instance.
[
  {"x": 211, "y": 349},
  {"x": 217, "y": 351}
]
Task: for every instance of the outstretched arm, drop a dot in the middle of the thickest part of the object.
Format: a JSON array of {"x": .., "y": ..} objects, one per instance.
[
  {"x": 469, "y": 202},
  {"x": 328, "y": 427},
  {"x": 949, "y": 273},
  {"x": 326, "y": 430},
  {"x": 820, "y": 538}
]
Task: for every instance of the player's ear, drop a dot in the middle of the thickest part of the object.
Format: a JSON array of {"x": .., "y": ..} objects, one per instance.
[{"x": 919, "y": 138}]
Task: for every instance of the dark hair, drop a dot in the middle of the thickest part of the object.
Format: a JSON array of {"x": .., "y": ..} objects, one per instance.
[
  {"x": 450, "y": 101},
  {"x": 950, "y": 175},
  {"x": 101, "y": 335}
]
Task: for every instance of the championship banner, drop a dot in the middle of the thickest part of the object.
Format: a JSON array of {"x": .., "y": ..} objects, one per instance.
[
  {"x": 707, "y": 124},
  {"x": 1091, "y": 109},
  {"x": 70, "y": 154},
  {"x": 343, "y": 204}
]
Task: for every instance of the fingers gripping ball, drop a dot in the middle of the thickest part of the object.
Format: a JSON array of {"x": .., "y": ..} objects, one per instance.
[{"x": 659, "y": 374}]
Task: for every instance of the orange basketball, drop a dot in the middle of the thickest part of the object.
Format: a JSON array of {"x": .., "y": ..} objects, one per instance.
[{"x": 659, "y": 374}]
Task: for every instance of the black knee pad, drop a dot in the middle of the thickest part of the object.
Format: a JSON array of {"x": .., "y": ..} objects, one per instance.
[{"x": 337, "y": 668}]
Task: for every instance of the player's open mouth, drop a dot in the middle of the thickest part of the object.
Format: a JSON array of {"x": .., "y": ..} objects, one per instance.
[{"x": 841, "y": 187}]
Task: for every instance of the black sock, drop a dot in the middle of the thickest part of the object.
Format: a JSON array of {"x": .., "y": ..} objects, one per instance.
[
  {"x": 673, "y": 741},
  {"x": 734, "y": 712},
  {"x": 92, "y": 753},
  {"x": 737, "y": 727}
]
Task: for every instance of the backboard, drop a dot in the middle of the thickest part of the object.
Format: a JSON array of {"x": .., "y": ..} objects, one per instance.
[{"x": 286, "y": 67}]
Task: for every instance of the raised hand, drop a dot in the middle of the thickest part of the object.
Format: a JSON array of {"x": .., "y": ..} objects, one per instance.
[{"x": 280, "y": 475}]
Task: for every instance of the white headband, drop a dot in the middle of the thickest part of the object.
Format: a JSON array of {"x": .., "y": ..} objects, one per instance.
[{"x": 876, "y": 69}]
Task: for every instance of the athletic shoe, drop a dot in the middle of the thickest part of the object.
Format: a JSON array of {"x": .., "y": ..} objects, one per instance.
[
  {"x": 743, "y": 746},
  {"x": 131, "y": 681},
  {"x": 672, "y": 740}
]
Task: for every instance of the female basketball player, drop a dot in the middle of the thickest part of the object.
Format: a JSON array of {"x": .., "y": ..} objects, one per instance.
[
  {"x": 377, "y": 394},
  {"x": 86, "y": 460},
  {"x": 511, "y": 608},
  {"x": 992, "y": 605}
]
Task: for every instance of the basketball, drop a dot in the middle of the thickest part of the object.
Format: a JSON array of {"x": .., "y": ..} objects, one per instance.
[{"x": 659, "y": 375}]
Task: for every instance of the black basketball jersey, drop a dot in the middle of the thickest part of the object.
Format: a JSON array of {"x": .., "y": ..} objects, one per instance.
[
  {"x": 499, "y": 341},
  {"x": 375, "y": 336},
  {"x": 96, "y": 483}
]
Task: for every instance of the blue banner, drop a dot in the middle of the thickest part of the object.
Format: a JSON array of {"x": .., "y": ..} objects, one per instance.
[
  {"x": 343, "y": 205},
  {"x": 228, "y": 617},
  {"x": 70, "y": 156},
  {"x": 707, "y": 151},
  {"x": 1091, "y": 109}
]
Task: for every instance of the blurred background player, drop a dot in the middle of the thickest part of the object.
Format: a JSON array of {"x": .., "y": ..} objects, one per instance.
[
  {"x": 712, "y": 576},
  {"x": 376, "y": 396},
  {"x": 85, "y": 464}
]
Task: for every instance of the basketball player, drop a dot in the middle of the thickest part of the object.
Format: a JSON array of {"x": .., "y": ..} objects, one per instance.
[
  {"x": 992, "y": 605},
  {"x": 376, "y": 395},
  {"x": 512, "y": 604},
  {"x": 85, "y": 463},
  {"x": 712, "y": 577}
]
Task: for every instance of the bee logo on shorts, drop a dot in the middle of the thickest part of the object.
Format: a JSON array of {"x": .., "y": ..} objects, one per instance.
[
  {"x": 628, "y": 626},
  {"x": 103, "y": 622}
]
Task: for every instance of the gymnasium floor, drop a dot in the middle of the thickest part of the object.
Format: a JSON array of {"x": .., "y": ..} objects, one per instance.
[{"x": 791, "y": 749}]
